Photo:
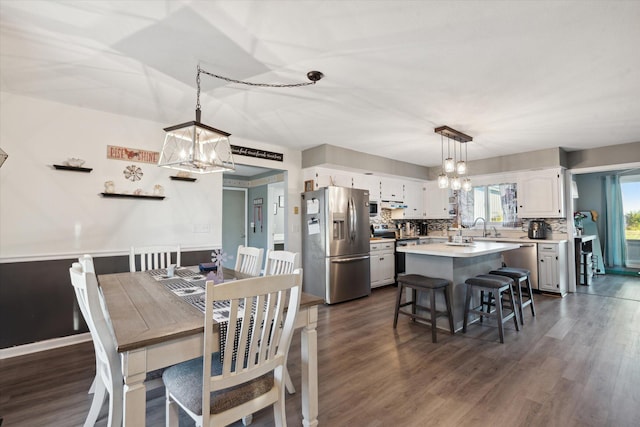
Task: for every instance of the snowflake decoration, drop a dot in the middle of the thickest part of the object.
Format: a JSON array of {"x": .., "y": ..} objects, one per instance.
[
  {"x": 218, "y": 257},
  {"x": 133, "y": 173}
]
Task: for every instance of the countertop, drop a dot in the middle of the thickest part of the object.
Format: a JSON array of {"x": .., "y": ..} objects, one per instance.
[
  {"x": 519, "y": 240},
  {"x": 451, "y": 251},
  {"x": 380, "y": 240}
]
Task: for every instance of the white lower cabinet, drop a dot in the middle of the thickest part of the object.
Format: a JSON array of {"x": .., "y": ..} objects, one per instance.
[
  {"x": 552, "y": 267},
  {"x": 383, "y": 265}
]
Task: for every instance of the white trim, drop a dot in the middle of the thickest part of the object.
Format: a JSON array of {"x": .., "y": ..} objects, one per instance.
[
  {"x": 604, "y": 168},
  {"x": 23, "y": 350}
]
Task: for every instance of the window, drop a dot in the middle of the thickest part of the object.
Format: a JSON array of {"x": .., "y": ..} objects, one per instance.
[{"x": 497, "y": 203}]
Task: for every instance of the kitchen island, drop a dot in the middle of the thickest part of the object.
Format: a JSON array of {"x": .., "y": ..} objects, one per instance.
[{"x": 455, "y": 263}]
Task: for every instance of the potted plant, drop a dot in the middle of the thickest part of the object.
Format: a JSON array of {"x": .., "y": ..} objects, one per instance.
[{"x": 577, "y": 220}]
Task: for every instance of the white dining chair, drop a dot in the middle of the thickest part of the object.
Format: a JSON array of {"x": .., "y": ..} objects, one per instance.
[
  {"x": 108, "y": 377},
  {"x": 282, "y": 262},
  {"x": 153, "y": 257},
  {"x": 249, "y": 260},
  {"x": 109, "y": 373},
  {"x": 219, "y": 391}
]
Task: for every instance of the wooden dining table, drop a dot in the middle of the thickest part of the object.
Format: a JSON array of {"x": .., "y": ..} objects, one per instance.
[{"x": 154, "y": 328}]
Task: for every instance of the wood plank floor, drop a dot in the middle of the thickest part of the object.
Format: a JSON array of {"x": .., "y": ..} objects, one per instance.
[{"x": 577, "y": 363}]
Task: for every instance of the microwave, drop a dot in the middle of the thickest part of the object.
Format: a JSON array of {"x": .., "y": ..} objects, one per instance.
[{"x": 374, "y": 208}]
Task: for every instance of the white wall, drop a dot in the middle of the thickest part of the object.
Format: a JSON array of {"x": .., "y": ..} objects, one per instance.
[{"x": 46, "y": 213}]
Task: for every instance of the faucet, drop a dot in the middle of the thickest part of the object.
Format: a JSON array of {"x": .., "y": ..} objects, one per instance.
[
  {"x": 495, "y": 232},
  {"x": 484, "y": 225}
]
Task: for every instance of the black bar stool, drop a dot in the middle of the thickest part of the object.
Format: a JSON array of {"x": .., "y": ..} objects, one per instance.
[
  {"x": 523, "y": 283},
  {"x": 417, "y": 282},
  {"x": 495, "y": 286}
]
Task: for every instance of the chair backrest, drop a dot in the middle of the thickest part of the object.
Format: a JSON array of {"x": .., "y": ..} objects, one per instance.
[
  {"x": 280, "y": 262},
  {"x": 249, "y": 260},
  {"x": 252, "y": 348},
  {"x": 85, "y": 285},
  {"x": 152, "y": 257}
]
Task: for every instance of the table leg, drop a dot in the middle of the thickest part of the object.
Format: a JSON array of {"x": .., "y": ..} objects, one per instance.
[
  {"x": 309, "y": 356},
  {"x": 135, "y": 393}
]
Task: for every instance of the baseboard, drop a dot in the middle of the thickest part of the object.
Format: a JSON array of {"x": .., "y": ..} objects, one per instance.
[{"x": 23, "y": 350}]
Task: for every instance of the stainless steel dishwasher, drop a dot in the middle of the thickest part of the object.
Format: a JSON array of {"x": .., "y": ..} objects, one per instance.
[{"x": 526, "y": 256}]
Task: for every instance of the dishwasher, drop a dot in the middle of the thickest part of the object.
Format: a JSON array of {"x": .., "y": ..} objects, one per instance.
[{"x": 526, "y": 256}]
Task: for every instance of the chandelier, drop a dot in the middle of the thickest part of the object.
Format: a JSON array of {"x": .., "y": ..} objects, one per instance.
[
  {"x": 196, "y": 147},
  {"x": 454, "y": 173}
]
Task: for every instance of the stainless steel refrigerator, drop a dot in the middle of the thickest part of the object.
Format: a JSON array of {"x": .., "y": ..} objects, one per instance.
[{"x": 335, "y": 243}]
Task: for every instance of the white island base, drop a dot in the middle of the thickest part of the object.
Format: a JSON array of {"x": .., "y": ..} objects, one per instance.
[{"x": 455, "y": 264}]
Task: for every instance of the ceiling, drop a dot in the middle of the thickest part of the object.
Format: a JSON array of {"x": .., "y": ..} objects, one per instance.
[{"x": 517, "y": 76}]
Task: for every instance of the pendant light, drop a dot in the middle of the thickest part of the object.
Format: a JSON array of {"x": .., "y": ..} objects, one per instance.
[
  {"x": 454, "y": 169},
  {"x": 196, "y": 147}
]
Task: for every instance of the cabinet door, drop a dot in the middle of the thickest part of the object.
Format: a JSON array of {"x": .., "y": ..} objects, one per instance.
[
  {"x": 391, "y": 189},
  {"x": 368, "y": 182},
  {"x": 547, "y": 272},
  {"x": 374, "y": 258},
  {"x": 541, "y": 194},
  {"x": 436, "y": 201},
  {"x": 414, "y": 199},
  {"x": 387, "y": 267}
]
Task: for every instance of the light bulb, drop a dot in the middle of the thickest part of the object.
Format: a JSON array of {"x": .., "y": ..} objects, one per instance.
[
  {"x": 461, "y": 167},
  {"x": 455, "y": 183},
  {"x": 443, "y": 181},
  {"x": 449, "y": 165}
]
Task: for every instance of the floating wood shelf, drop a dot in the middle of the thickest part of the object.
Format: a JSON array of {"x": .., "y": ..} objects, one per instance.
[
  {"x": 131, "y": 196},
  {"x": 183, "y": 178},
  {"x": 72, "y": 168}
]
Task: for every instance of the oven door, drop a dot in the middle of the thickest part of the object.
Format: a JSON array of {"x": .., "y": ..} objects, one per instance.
[{"x": 400, "y": 256}]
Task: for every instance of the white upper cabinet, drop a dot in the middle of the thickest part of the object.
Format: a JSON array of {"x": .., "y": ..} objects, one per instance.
[
  {"x": 436, "y": 201},
  {"x": 541, "y": 194},
  {"x": 368, "y": 182},
  {"x": 326, "y": 177},
  {"x": 414, "y": 199},
  {"x": 391, "y": 189}
]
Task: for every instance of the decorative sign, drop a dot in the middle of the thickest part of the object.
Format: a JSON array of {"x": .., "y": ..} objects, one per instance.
[
  {"x": 259, "y": 154},
  {"x": 132, "y": 154}
]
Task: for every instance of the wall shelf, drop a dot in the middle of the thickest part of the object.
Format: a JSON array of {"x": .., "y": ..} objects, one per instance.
[
  {"x": 183, "y": 178},
  {"x": 131, "y": 196},
  {"x": 72, "y": 168}
]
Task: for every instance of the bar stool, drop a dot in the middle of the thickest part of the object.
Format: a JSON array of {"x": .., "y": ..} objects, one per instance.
[
  {"x": 522, "y": 282},
  {"x": 417, "y": 282},
  {"x": 495, "y": 286}
]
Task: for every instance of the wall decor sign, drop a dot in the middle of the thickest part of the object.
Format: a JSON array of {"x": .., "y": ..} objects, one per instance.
[
  {"x": 258, "y": 154},
  {"x": 132, "y": 154}
]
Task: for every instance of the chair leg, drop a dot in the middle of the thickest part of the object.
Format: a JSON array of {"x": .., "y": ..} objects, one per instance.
[
  {"x": 498, "y": 299},
  {"x": 99, "y": 394},
  {"x": 514, "y": 308},
  {"x": 172, "y": 418},
  {"x": 466, "y": 309},
  {"x": 533, "y": 308},
  {"x": 414, "y": 297},
  {"x": 116, "y": 397},
  {"x": 398, "y": 299},
  {"x": 288, "y": 383},
  {"x": 449, "y": 310},
  {"x": 520, "y": 301},
  {"x": 434, "y": 334}
]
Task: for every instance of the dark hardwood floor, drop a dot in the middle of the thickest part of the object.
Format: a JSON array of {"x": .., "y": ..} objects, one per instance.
[{"x": 577, "y": 363}]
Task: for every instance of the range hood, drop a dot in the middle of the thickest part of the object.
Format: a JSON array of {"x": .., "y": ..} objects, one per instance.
[{"x": 385, "y": 204}]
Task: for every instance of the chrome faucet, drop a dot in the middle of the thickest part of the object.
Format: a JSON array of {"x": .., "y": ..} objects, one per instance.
[
  {"x": 495, "y": 232},
  {"x": 484, "y": 225}
]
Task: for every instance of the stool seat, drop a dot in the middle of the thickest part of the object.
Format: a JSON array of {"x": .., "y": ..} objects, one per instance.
[
  {"x": 524, "y": 292},
  {"x": 514, "y": 273},
  {"x": 418, "y": 282},
  {"x": 489, "y": 281}
]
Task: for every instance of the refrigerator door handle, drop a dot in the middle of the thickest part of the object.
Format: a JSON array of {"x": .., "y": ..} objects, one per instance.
[
  {"x": 353, "y": 220},
  {"x": 343, "y": 260}
]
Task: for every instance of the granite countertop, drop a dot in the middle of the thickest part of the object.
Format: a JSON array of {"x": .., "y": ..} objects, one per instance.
[
  {"x": 454, "y": 251},
  {"x": 380, "y": 240}
]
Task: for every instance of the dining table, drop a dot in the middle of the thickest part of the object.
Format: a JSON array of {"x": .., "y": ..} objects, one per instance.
[{"x": 155, "y": 326}]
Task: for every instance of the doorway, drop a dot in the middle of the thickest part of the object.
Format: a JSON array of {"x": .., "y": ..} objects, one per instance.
[{"x": 234, "y": 223}]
